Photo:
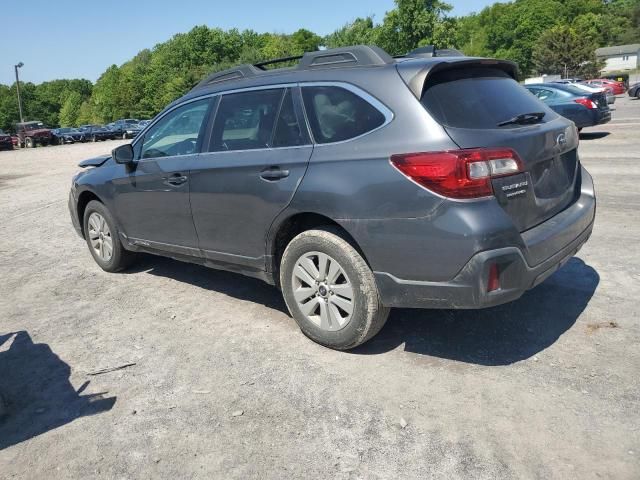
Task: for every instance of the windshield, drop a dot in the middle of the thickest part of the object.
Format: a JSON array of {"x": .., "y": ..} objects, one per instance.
[
  {"x": 479, "y": 98},
  {"x": 34, "y": 126}
]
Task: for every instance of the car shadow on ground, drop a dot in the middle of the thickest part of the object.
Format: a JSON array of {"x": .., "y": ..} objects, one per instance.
[
  {"x": 228, "y": 283},
  {"x": 36, "y": 393},
  {"x": 494, "y": 336},
  {"x": 593, "y": 135}
]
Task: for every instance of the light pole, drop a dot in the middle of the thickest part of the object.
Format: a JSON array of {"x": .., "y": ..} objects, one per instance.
[{"x": 16, "y": 67}]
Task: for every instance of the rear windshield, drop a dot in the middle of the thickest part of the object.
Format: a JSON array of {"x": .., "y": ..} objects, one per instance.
[{"x": 478, "y": 98}]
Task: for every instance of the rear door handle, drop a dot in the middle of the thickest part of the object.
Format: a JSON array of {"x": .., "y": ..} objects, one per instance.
[
  {"x": 274, "y": 173},
  {"x": 175, "y": 179}
]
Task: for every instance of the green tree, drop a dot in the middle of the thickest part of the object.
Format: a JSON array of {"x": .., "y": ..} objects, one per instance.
[
  {"x": 359, "y": 32},
  {"x": 70, "y": 110},
  {"x": 85, "y": 114},
  {"x": 305, "y": 41},
  {"x": 562, "y": 50},
  {"x": 411, "y": 23}
]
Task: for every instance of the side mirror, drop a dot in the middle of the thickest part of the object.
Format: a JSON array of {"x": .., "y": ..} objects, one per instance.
[{"x": 123, "y": 154}]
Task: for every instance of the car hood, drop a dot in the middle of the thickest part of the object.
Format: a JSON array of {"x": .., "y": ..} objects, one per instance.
[{"x": 94, "y": 162}]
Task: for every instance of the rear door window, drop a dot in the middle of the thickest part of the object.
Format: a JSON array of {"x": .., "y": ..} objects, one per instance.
[
  {"x": 245, "y": 120},
  {"x": 336, "y": 114},
  {"x": 478, "y": 98}
]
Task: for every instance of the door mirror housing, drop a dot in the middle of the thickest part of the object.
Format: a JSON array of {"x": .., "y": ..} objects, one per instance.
[{"x": 123, "y": 154}]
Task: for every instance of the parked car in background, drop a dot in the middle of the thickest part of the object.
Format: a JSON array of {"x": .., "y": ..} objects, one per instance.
[
  {"x": 132, "y": 130},
  {"x": 634, "y": 90},
  {"x": 355, "y": 182},
  {"x": 67, "y": 135},
  {"x": 570, "y": 80},
  {"x": 95, "y": 133},
  {"x": 5, "y": 141},
  {"x": 611, "y": 98},
  {"x": 617, "y": 87},
  {"x": 32, "y": 134},
  {"x": 125, "y": 128},
  {"x": 585, "y": 109}
]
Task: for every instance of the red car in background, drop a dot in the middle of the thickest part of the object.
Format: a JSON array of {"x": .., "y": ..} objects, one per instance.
[{"x": 617, "y": 87}]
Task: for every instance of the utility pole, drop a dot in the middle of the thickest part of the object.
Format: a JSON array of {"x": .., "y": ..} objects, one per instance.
[{"x": 16, "y": 67}]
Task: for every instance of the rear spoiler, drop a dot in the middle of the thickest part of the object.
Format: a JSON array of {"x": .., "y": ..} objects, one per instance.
[
  {"x": 414, "y": 73},
  {"x": 94, "y": 162}
]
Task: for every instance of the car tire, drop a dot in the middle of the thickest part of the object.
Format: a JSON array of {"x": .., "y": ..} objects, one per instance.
[
  {"x": 124, "y": 136},
  {"x": 29, "y": 143},
  {"x": 102, "y": 234},
  {"x": 94, "y": 138},
  {"x": 327, "y": 315}
]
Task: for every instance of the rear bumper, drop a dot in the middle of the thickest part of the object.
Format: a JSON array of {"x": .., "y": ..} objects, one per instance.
[{"x": 544, "y": 250}]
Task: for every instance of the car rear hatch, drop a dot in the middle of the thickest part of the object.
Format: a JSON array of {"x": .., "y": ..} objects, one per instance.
[{"x": 482, "y": 106}]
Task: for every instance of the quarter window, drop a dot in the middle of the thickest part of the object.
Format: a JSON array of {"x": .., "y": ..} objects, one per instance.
[
  {"x": 177, "y": 132},
  {"x": 245, "y": 120},
  {"x": 336, "y": 114}
]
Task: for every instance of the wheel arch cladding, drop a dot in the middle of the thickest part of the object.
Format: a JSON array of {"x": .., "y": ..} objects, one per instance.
[
  {"x": 297, "y": 223},
  {"x": 83, "y": 200}
]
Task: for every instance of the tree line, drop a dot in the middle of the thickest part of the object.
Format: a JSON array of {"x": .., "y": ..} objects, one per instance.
[{"x": 542, "y": 36}]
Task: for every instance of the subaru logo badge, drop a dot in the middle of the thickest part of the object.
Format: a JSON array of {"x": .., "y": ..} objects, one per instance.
[{"x": 561, "y": 140}]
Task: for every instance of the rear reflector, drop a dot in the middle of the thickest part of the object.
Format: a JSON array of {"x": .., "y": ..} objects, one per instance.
[
  {"x": 493, "y": 282},
  {"x": 459, "y": 174},
  {"x": 586, "y": 102}
]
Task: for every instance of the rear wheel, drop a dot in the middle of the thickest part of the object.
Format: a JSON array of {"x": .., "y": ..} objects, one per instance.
[
  {"x": 330, "y": 290},
  {"x": 102, "y": 236},
  {"x": 94, "y": 138}
]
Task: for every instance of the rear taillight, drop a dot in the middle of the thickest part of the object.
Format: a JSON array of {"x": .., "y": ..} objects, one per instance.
[
  {"x": 586, "y": 102},
  {"x": 459, "y": 173}
]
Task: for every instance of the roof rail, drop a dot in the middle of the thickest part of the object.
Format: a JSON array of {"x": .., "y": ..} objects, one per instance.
[
  {"x": 430, "y": 51},
  {"x": 235, "y": 73},
  {"x": 275, "y": 61},
  {"x": 356, "y": 56}
]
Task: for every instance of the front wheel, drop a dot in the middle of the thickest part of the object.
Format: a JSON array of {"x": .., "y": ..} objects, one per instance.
[
  {"x": 330, "y": 290},
  {"x": 29, "y": 143},
  {"x": 101, "y": 234}
]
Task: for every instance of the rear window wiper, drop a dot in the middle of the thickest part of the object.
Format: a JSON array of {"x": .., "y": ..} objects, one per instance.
[{"x": 523, "y": 119}]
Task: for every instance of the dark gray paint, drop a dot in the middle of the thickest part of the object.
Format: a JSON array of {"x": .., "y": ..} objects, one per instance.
[{"x": 417, "y": 242}]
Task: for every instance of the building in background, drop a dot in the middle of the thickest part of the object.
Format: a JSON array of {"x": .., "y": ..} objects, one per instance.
[{"x": 620, "y": 57}]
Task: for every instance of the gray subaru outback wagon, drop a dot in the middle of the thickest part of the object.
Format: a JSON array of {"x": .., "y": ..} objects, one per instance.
[{"x": 353, "y": 181}]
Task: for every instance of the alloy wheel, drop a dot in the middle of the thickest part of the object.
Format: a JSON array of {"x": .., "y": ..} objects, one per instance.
[
  {"x": 100, "y": 237},
  {"x": 322, "y": 290}
]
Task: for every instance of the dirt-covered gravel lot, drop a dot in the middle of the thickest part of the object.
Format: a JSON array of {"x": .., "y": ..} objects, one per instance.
[{"x": 225, "y": 386}]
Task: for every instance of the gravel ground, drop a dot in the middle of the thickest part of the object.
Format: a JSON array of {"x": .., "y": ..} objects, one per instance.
[{"x": 224, "y": 385}]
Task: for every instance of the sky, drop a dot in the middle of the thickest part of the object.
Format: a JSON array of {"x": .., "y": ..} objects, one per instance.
[{"x": 80, "y": 39}]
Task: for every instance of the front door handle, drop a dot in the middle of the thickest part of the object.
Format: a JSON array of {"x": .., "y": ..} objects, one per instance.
[
  {"x": 175, "y": 179},
  {"x": 274, "y": 173}
]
